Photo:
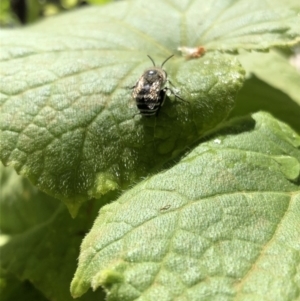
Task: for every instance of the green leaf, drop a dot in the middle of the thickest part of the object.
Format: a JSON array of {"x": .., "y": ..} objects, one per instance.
[
  {"x": 223, "y": 224},
  {"x": 240, "y": 24},
  {"x": 22, "y": 206},
  {"x": 274, "y": 69},
  {"x": 68, "y": 120},
  {"x": 7, "y": 16},
  {"x": 45, "y": 250},
  {"x": 99, "y": 2},
  {"x": 294, "y": 4},
  {"x": 257, "y": 95},
  {"x": 12, "y": 289},
  {"x": 33, "y": 9}
]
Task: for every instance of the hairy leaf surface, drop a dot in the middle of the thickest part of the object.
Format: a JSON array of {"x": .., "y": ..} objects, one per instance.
[{"x": 223, "y": 224}]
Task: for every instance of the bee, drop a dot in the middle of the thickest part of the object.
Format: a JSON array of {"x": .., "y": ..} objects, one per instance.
[{"x": 150, "y": 90}]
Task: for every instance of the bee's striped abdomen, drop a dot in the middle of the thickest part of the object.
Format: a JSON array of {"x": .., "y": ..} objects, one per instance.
[{"x": 149, "y": 107}]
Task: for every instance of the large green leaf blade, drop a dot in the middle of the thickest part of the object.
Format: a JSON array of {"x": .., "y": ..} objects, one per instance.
[
  {"x": 232, "y": 25},
  {"x": 68, "y": 120},
  {"x": 77, "y": 147},
  {"x": 223, "y": 224}
]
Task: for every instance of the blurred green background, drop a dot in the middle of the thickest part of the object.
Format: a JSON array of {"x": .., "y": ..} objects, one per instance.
[{"x": 18, "y": 12}]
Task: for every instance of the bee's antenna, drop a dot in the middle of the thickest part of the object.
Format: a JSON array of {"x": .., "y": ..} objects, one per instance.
[
  {"x": 151, "y": 59},
  {"x": 166, "y": 60}
]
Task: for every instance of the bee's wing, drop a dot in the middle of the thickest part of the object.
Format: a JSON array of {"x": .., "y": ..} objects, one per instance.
[
  {"x": 159, "y": 101},
  {"x": 153, "y": 96}
]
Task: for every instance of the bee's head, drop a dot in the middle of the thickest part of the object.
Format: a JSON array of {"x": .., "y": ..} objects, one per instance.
[{"x": 154, "y": 74}]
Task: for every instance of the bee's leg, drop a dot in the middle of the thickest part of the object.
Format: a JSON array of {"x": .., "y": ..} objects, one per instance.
[
  {"x": 171, "y": 83},
  {"x": 175, "y": 93},
  {"x": 162, "y": 98}
]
